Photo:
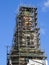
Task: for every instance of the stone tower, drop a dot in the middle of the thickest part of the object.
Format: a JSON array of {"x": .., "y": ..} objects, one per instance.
[{"x": 26, "y": 46}]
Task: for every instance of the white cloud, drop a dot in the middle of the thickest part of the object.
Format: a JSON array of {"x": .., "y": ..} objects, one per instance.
[{"x": 45, "y": 5}]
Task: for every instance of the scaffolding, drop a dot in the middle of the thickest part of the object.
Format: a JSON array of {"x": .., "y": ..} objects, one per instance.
[{"x": 26, "y": 38}]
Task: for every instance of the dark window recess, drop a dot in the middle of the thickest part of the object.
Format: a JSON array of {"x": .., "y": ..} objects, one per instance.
[
  {"x": 28, "y": 38},
  {"x": 28, "y": 43}
]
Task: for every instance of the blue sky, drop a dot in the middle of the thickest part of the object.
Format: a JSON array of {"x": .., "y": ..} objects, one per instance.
[{"x": 8, "y": 11}]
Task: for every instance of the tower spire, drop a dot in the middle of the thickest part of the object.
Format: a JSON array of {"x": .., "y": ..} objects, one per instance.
[{"x": 26, "y": 38}]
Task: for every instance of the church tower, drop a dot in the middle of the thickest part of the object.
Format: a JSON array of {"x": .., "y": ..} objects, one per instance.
[{"x": 26, "y": 44}]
